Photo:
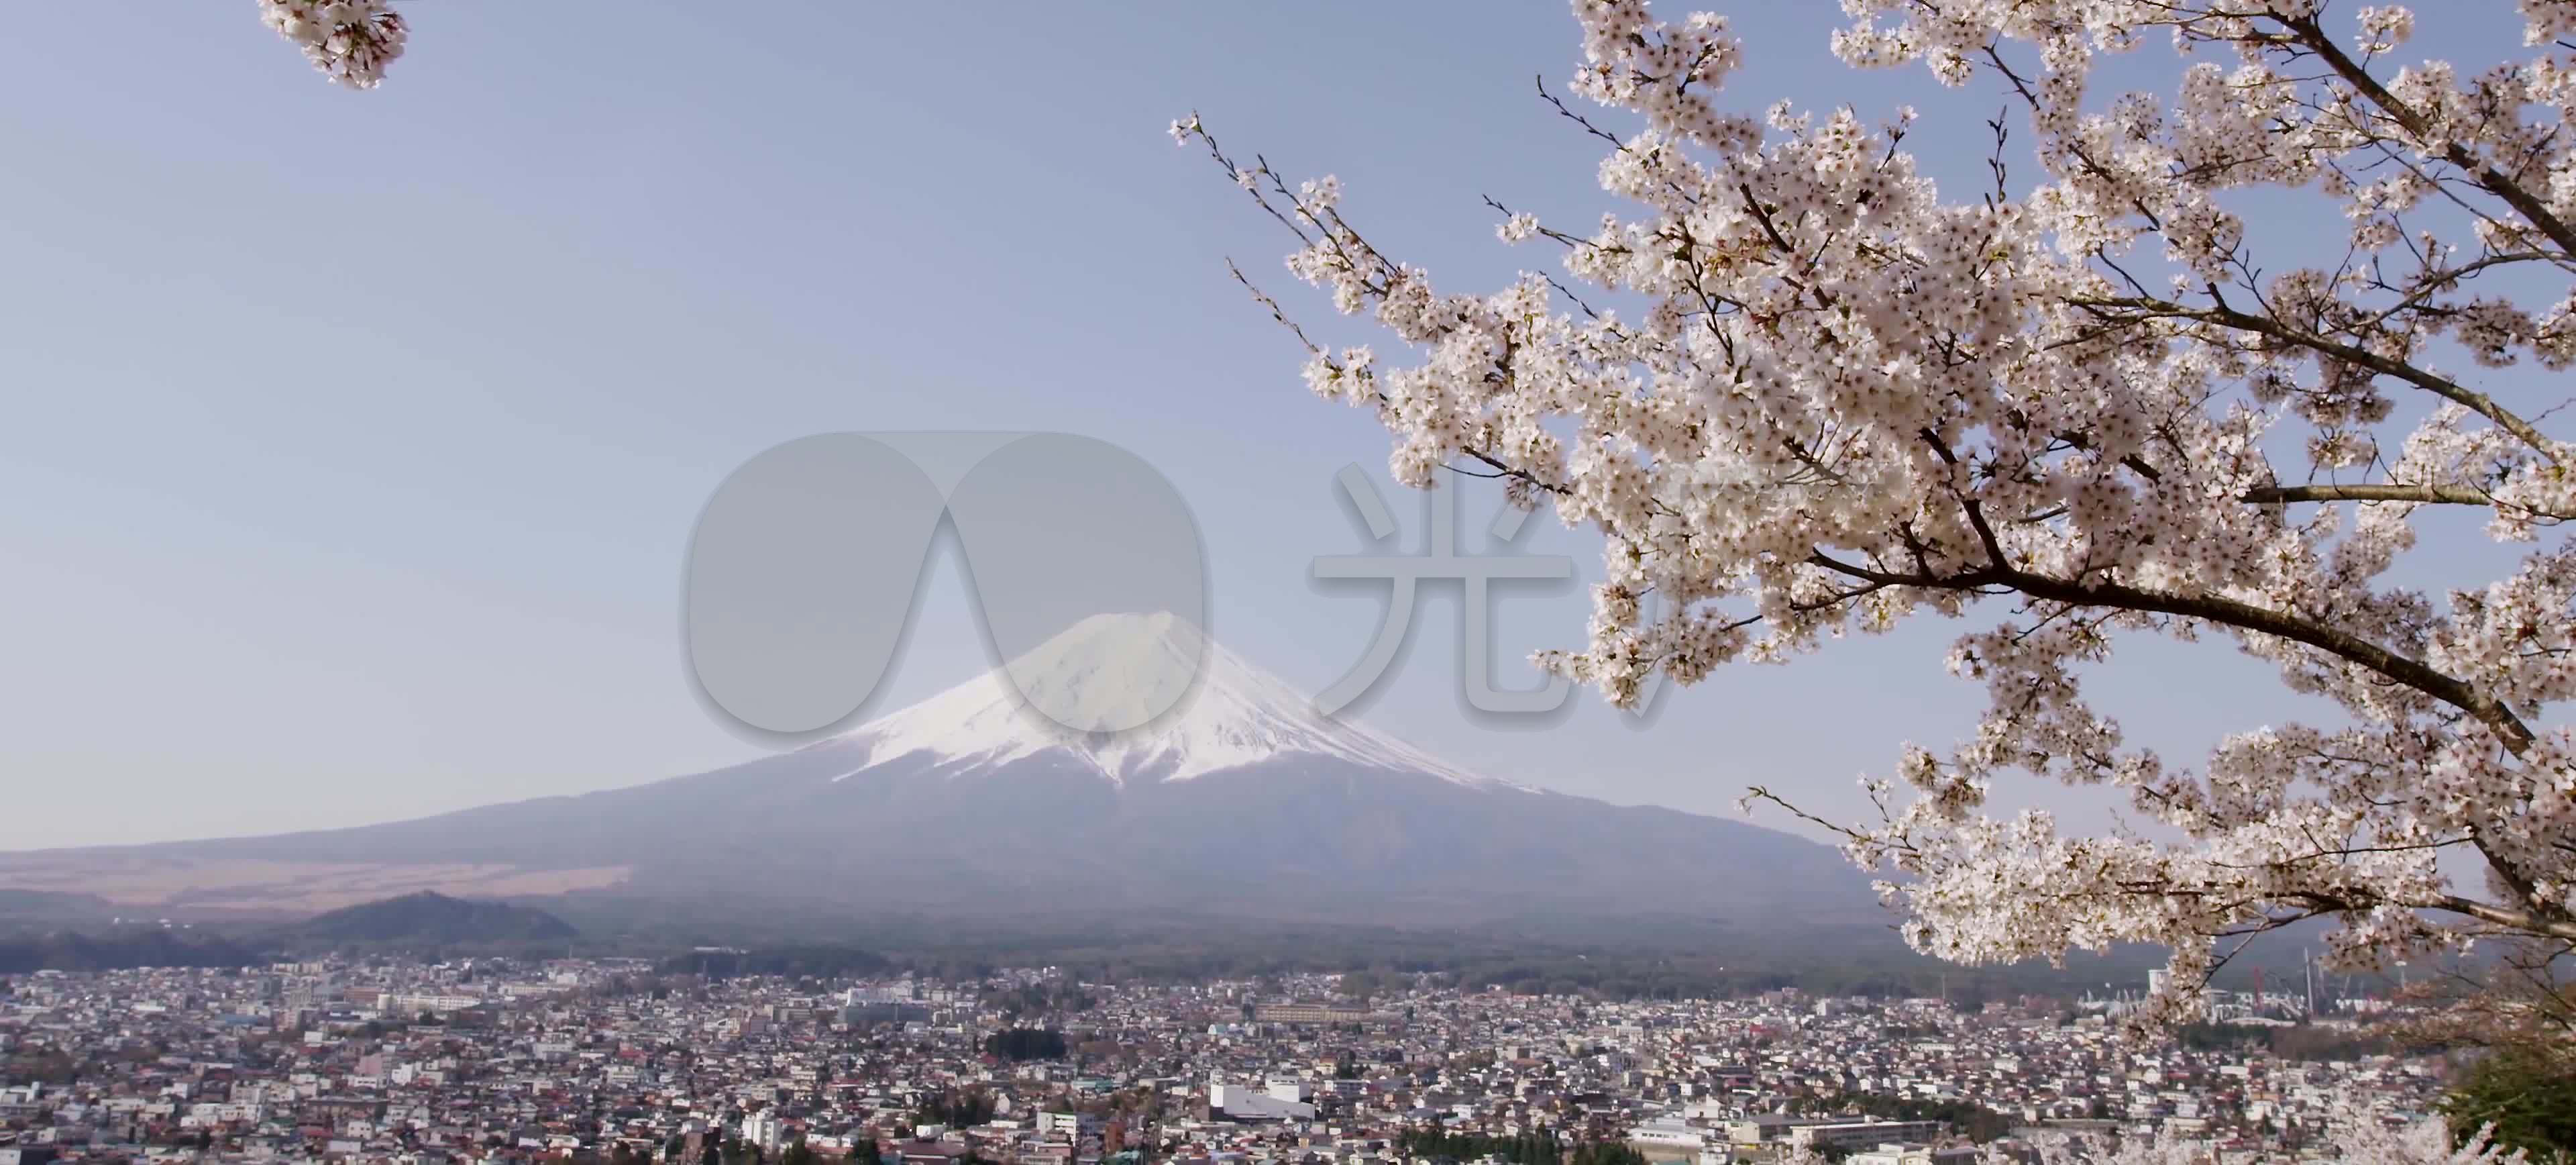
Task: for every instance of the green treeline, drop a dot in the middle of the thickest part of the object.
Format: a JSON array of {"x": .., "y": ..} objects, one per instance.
[
  {"x": 2526, "y": 1093},
  {"x": 1539, "y": 1148},
  {"x": 821, "y": 961},
  {"x": 1974, "y": 1121},
  {"x": 1039, "y": 999},
  {"x": 119, "y": 950},
  {"x": 958, "y": 1108},
  {"x": 2300, "y": 1041},
  {"x": 1026, "y": 1043}
]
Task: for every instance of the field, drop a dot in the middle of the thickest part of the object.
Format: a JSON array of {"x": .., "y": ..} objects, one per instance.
[{"x": 251, "y": 885}]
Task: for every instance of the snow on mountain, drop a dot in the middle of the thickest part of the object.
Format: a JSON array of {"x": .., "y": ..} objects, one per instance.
[
  {"x": 1237, "y": 801},
  {"x": 1120, "y": 669}
]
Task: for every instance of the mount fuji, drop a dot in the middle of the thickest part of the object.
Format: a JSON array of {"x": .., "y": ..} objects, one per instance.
[
  {"x": 1114, "y": 669},
  {"x": 1234, "y": 797}
]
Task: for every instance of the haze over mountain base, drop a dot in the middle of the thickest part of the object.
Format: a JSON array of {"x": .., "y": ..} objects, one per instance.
[{"x": 1240, "y": 803}]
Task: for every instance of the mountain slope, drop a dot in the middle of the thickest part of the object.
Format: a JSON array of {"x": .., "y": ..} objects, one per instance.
[
  {"x": 429, "y": 916},
  {"x": 1237, "y": 715},
  {"x": 1239, "y": 801},
  {"x": 121, "y": 949}
]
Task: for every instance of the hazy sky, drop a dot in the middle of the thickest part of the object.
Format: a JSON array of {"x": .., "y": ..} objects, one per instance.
[{"x": 354, "y": 439}]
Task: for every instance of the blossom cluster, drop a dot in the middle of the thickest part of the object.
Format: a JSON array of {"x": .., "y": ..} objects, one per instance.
[
  {"x": 1841, "y": 397},
  {"x": 350, "y": 41},
  {"x": 2356, "y": 1138}
]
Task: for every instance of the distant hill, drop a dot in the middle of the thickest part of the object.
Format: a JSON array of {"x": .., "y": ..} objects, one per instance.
[
  {"x": 1240, "y": 803},
  {"x": 52, "y": 906},
  {"x": 820, "y": 961},
  {"x": 121, "y": 950},
  {"x": 429, "y": 916}
]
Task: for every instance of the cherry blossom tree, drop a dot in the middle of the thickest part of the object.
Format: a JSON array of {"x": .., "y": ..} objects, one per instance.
[
  {"x": 2355, "y": 1137},
  {"x": 350, "y": 41},
  {"x": 1803, "y": 392}
]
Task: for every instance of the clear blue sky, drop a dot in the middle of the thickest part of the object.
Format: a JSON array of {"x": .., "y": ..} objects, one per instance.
[{"x": 354, "y": 439}]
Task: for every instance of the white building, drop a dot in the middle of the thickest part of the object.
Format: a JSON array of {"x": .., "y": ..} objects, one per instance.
[
  {"x": 1068, "y": 1124},
  {"x": 1901, "y": 1154},
  {"x": 1237, "y": 1102},
  {"x": 1668, "y": 1133},
  {"x": 1855, "y": 1135}
]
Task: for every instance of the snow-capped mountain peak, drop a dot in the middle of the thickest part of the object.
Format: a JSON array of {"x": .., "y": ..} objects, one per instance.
[{"x": 1216, "y": 711}]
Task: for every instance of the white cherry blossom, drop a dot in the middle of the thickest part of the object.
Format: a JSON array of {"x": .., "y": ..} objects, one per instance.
[
  {"x": 1803, "y": 392},
  {"x": 350, "y": 41},
  {"x": 2352, "y": 1135}
]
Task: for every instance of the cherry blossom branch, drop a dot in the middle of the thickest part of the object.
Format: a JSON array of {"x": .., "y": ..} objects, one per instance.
[
  {"x": 2441, "y": 386},
  {"x": 2511, "y": 193},
  {"x": 2392, "y": 492},
  {"x": 2524, "y": 921},
  {"x": 2516, "y": 736}
]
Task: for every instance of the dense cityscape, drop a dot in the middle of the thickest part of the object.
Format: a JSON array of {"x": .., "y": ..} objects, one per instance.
[{"x": 499, "y": 1060}]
